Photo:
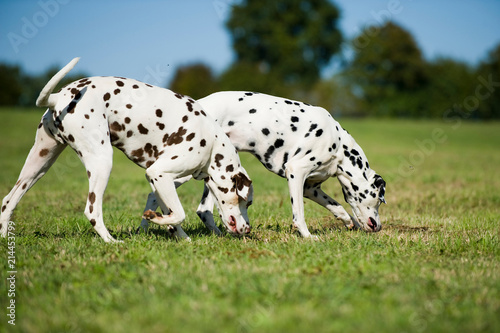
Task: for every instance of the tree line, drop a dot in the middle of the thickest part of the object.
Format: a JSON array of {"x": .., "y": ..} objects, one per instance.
[{"x": 281, "y": 48}]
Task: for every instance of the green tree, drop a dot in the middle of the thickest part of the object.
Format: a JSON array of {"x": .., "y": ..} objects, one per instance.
[
  {"x": 196, "y": 80},
  {"x": 289, "y": 41},
  {"x": 388, "y": 69},
  {"x": 450, "y": 83},
  {"x": 10, "y": 85},
  {"x": 489, "y": 71}
]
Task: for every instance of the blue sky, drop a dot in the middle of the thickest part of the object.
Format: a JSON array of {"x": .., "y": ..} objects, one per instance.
[{"x": 147, "y": 39}]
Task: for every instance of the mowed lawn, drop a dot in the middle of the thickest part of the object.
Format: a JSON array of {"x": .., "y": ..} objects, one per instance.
[{"x": 435, "y": 266}]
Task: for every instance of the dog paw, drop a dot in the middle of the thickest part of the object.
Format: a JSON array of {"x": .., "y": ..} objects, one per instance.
[{"x": 152, "y": 216}]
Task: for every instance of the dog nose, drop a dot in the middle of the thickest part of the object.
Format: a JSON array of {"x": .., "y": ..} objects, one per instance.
[
  {"x": 246, "y": 229},
  {"x": 372, "y": 224}
]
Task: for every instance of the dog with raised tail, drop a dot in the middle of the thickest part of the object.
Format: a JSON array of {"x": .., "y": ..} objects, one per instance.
[{"x": 166, "y": 133}]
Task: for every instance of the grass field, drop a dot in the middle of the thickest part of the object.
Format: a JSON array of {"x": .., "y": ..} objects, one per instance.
[{"x": 434, "y": 267}]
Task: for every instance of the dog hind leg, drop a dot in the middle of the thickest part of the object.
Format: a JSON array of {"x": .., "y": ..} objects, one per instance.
[
  {"x": 42, "y": 155},
  {"x": 98, "y": 163}
]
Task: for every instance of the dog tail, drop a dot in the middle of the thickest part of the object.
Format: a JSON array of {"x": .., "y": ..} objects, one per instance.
[{"x": 46, "y": 98}]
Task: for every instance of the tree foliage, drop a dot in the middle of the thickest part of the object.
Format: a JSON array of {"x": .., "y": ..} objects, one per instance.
[
  {"x": 196, "y": 80},
  {"x": 388, "y": 68},
  {"x": 10, "y": 85},
  {"x": 489, "y": 71},
  {"x": 289, "y": 40}
]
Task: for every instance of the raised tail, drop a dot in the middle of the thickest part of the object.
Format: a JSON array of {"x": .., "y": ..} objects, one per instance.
[{"x": 46, "y": 98}]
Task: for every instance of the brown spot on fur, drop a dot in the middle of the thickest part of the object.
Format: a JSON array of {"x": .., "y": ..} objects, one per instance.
[
  {"x": 129, "y": 106},
  {"x": 89, "y": 174},
  {"x": 160, "y": 126},
  {"x": 93, "y": 222},
  {"x": 218, "y": 157},
  {"x": 148, "y": 149},
  {"x": 113, "y": 137},
  {"x": 190, "y": 106},
  {"x": 190, "y": 137},
  {"x": 159, "y": 113},
  {"x": 116, "y": 92},
  {"x": 106, "y": 96},
  {"x": 44, "y": 152},
  {"x": 120, "y": 83},
  {"x": 71, "y": 138},
  {"x": 223, "y": 189},
  {"x": 4, "y": 208},
  {"x": 230, "y": 168},
  {"x": 116, "y": 126},
  {"x": 127, "y": 120},
  {"x": 135, "y": 86},
  {"x": 24, "y": 186},
  {"x": 184, "y": 119},
  {"x": 176, "y": 137},
  {"x": 138, "y": 153},
  {"x": 142, "y": 129},
  {"x": 149, "y": 163},
  {"x": 203, "y": 143},
  {"x": 91, "y": 208},
  {"x": 179, "y": 96},
  {"x": 241, "y": 181},
  {"x": 174, "y": 157},
  {"x": 92, "y": 197}
]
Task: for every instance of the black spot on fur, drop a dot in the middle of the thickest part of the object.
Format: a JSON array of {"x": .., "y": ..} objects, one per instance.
[{"x": 279, "y": 143}]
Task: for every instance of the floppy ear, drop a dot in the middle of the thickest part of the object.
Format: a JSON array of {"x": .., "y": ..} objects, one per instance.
[
  {"x": 380, "y": 184},
  {"x": 242, "y": 184}
]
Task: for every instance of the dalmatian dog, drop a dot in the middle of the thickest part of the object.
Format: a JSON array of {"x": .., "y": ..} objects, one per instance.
[
  {"x": 166, "y": 133},
  {"x": 304, "y": 144}
]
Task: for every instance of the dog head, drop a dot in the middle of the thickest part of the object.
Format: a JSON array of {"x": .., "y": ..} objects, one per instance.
[
  {"x": 365, "y": 198},
  {"x": 233, "y": 197}
]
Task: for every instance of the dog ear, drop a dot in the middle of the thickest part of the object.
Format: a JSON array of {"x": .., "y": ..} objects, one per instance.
[
  {"x": 242, "y": 184},
  {"x": 380, "y": 184}
]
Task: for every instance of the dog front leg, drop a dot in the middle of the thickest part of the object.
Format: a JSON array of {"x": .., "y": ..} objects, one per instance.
[
  {"x": 163, "y": 186},
  {"x": 316, "y": 194},
  {"x": 205, "y": 210}
]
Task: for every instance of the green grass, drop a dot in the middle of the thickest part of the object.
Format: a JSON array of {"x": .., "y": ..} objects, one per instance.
[{"x": 434, "y": 267}]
